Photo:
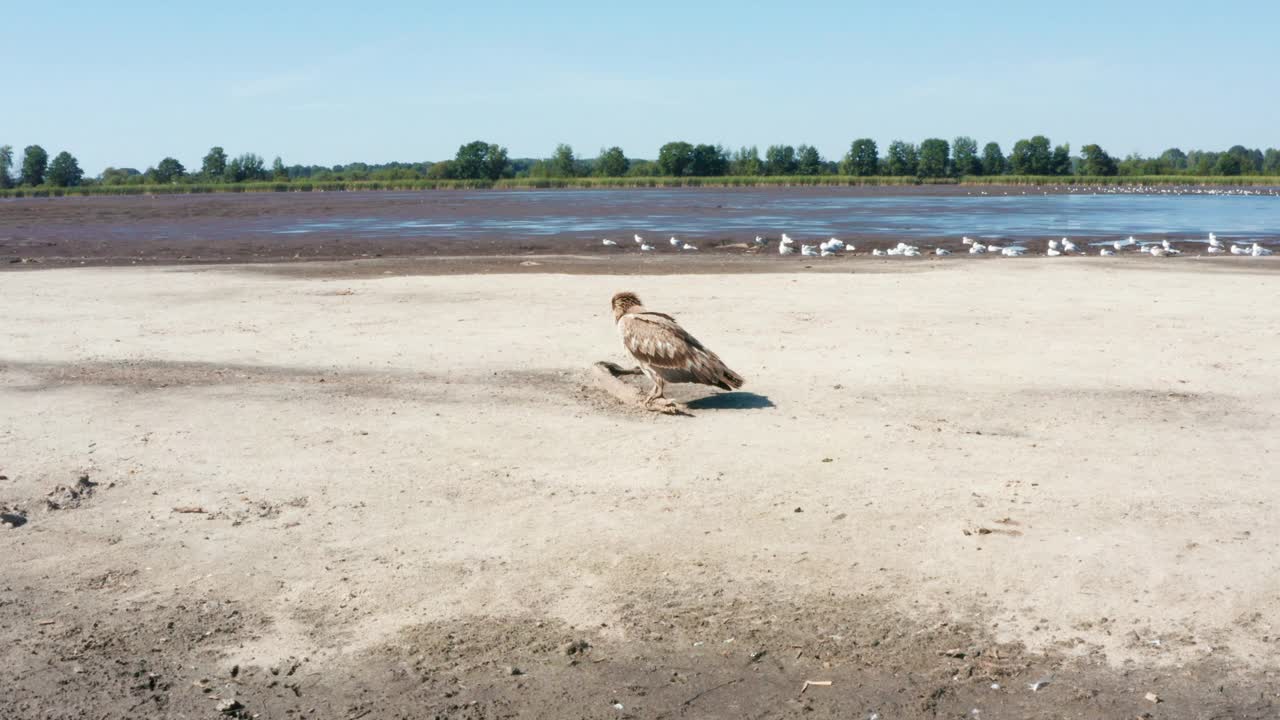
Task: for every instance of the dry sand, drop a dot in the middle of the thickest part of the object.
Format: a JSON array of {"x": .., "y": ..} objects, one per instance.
[{"x": 413, "y": 505}]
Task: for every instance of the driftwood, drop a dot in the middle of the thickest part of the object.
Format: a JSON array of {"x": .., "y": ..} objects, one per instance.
[{"x": 607, "y": 376}]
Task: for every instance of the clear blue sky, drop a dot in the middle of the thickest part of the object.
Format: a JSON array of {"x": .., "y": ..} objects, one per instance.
[{"x": 127, "y": 83}]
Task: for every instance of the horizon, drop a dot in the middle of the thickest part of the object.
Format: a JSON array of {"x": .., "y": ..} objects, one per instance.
[{"x": 413, "y": 84}]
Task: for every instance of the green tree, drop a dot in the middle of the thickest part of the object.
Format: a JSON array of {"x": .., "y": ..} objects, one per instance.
[
  {"x": 992, "y": 159},
  {"x": 643, "y": 168},
  {"x": 478, "y": 160},
  {"x": 808, "y": 161},
  {"x": 674, "y": 158},
  {"x": 934, "y": 153},
  {"x": 214, "y": 165},
  {"x": 1032, "y": 157},
  {"x": 168, "y": 171},
  {"x": 1097, "y": 161},
  {"x": 1060, "y": 161},
  {"x": 964, "y": 156},
  {"x": 472, "y": 161},
  {"x": 902, "y": 159},
  {"x": 278, "y": 171},
  {"x": 233, "y": 172},
  {"x": 746, "y": 161},
  {"x": 863, "y": 158},
  {"x": 612, "y": 163},
  {"x": 1228, "y": 164},
  {"x": 1250, "y": 160},
  {"x": 708, "y": 161},
  {"x": 1202, "y": 163},
  {"x": 120, "y": 176},
  {"x": 443, "y": 170},
  {"x": 563, "y": 163},
  {"x": 1020, "y": 161},
  {"x": 780, "y": 160},
  {"x": 1270, "y": 161},
  {"x": 64, "y": 171},
  {"x": 6, "y": 165},
  {"x": 248, "y": 167},
  {"x": 1175, "y": 158},
  {"x": 34, "y": 163},
  {"x": 499, "y": 164}
]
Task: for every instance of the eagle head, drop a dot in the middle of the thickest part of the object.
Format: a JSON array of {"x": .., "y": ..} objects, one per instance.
[{"x": 622, "y": 302}]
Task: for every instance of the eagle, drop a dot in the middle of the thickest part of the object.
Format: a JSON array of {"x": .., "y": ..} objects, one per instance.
[{"x": 666, "y": 352}]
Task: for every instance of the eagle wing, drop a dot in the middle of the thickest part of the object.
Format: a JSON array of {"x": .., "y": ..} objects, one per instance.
[{"x": 658, "y": 342}]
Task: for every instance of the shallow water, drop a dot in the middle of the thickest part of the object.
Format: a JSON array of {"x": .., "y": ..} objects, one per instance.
[{"x": 745, "y": 213}]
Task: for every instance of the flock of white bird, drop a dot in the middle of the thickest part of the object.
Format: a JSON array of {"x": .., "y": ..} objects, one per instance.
[
  {"x": 646, "y": 247},
  {"x": 1056, "y": 248}
]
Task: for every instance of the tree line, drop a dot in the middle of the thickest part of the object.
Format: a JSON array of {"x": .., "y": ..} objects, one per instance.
[{"x": 479, "y": 160}]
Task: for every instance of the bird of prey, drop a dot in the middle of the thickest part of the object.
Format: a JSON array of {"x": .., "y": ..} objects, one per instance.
[{"x": 665, "y": 351}]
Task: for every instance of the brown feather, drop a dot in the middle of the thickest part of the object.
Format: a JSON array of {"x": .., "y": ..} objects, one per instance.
[{"x": 659, "y": 343}]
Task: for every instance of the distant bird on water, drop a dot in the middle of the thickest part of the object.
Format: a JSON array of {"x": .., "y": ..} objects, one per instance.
[
  {"x": 665, "y": 351},
  {"x": 639, "y": 240},
  {"x": 759, "y": 241},
  {"x": 687, "y": 246},
  {"x": 645, "y": 247},
  {"x": 609, "y": 243},
  {"x": 674, "y": 242}
]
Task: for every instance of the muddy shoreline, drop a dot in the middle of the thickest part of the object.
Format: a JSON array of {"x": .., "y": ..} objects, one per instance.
[{"x": 254, "y": 228}]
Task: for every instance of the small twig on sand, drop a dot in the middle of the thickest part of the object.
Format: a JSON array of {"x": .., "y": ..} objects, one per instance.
[
  {"x": 815, "y": 683},
  {"x": 704, "y": 692},
  {"x": 188, "y": 509}
]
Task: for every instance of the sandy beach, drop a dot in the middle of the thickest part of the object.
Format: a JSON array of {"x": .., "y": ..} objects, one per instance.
[{"x": 1039, "y": 488}]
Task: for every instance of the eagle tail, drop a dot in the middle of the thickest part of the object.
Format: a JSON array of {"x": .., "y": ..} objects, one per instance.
[{"x": 728, "y": 380}]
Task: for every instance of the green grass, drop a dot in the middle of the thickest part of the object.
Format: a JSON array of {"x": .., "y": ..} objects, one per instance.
[{"x": 628, "y": 182}]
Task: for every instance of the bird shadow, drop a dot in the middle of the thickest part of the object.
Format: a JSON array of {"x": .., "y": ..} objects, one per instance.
[{"x": 731, "y": 401}]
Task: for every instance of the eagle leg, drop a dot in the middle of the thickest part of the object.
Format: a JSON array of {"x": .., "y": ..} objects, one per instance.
[{"x": 658, "y": 386}]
